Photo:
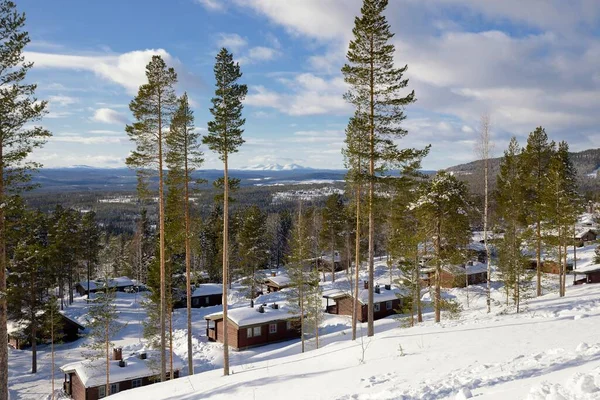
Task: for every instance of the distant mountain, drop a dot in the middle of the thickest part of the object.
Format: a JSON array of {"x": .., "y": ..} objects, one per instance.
[{"x": 274, "y": 167}]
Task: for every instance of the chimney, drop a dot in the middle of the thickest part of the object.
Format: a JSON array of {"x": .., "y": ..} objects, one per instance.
[
  {"x": 275, "y": 306},
  {"x": 273, "y": 273},
  {"x": 261, "y": 309},
  {"x": 122, "y": 364},
  {"x": 117, "y": 354},
  {"x": 388, "y": 287},
  {"x": 366, "y": 284},
  {"x": 143, "y": 356},
  {"x": 377, "y": 290}
]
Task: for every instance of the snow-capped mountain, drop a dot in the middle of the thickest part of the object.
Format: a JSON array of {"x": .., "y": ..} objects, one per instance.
[{"x": 274, "y": 167}]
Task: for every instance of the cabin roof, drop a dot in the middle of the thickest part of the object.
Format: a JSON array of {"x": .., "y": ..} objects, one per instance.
[
  {"x": 93, "y": 372},
  {"x": 207, "y": 289},
  {"x": 281, "y": 280},
  {"x": 363, "y": 294},
  {"x": 245, "y": 316}
]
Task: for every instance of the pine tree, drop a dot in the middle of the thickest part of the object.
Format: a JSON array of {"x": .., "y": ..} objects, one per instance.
[
  {"x": 52, "y": 327},
  {"x": 28, "y": 278},
  {"x": 509, "y": 195},
  {"x": 253, "y": 245},
  {"x": 334, "y": 220},
  {"x": 376, "y": 88},
  {"x": 18, "y": 110},
  {"x": 102, "y": 326},
  {"x": 183, "y": 157},
  {"x": 152, "y": 109},
  {"x": 90, "y": 243},
  {"x": 356, "y": 154},
  {"x": 225, "y": 137},
  {"x": 442, "y": 206},
  {"x": 536, "y": 162}
]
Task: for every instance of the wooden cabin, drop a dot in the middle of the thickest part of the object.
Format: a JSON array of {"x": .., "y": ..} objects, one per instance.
[
  {"x": 277, "y": 282},
  {"x": 473, "y": 272},
  {"x": 19, "y": 336},
  {"x": 254, "y": 326},
  {"x": 120, "y": 284},
  {"x": 585, "y": 236},
  {"x": 591, "y": 275},
  {"x": 207, "y": 294},
  {"x": 387, "y": 300},
  {"x": 86, "y": 380}
]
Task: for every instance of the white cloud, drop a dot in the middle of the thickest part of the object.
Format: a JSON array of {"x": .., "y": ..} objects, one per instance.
[
  {"x": 306, "y": 94},
  {"x": 212, "y": 5},
  {"x": 62, "y": 100},
  {"x": 88, "y": 140},
  {"x": 259, "y": 54},
  {"x": 127, "y": 69},
  {"x": 109, "y": 116},
  {"x": 232, "y": 41}
]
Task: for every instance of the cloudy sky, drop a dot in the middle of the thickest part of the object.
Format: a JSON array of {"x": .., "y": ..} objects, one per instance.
[{"x": 526, "y": 63}]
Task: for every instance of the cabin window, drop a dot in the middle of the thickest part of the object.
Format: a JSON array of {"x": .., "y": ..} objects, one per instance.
[
  {"x": 257, "y": 331},
  {"x": 207, "y": 300},
  {"x": 288, "y": 325},
  {"x": 114, "y": 388},
  {"x": 388, "y": 305},
  {"x": 272, "y": 328},
  {"x": 101, "y": 391},
  {"x": 376, "y": 307},
  {"x": 195, "y": 301},
  {"x": 253, "y": 332},
  {"x": 249, "y": 332},
  {"x": 135, "y": 383}
]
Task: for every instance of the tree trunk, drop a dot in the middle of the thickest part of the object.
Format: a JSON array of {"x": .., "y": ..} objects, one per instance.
[
  {"x": 438, "y": 273},
  {"x": 171, "y": 372},
  {"x": 370, "y": 324},
  {"x": 33, "y": 345},
  {"x": 538, "y": 258},
  {"x": 225, "y": 266},
  {"x": 356, "y": 262},
  {"x": 188, "y": 256},
  {"x": 485, "y": 235},
  {"x": 107, "y": 341},
  {"x": 332, "y": 259},
  {"x": 52, "y": 345},
  {"x": 3, "y": 305},
  {"x": 161, "y": 233}
]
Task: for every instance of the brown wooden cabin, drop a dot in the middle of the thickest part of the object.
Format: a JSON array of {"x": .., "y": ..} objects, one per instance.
[
  {"x": 454, "y": 276},
  {"x": 254, "y": 326},
  {"x": 86, "y": 380},
  {"x": 585, "y": 236},
  {"x": 277, "y": 282},
  {"x": 205, "y": 295},
  {"x": 387, "y": 301},
  {"x": 549, "y": 266},
  {"x": 20, "y": 339},
  {"x": 591, "y": 276}
]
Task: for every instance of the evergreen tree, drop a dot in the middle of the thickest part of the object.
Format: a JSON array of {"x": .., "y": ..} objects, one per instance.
[
  {"x": 52, "y": 327},
  {"x": 28, "y": 280},
  {"x": 376, "y": 90},
  {"x": 332, "y": 229},
  {"x": 183, "y": 157},
  {"x": 102, "y": 326},
  {"x": 536, "y": 163},
  {"x": 90, "y": 243},
  {"x": 253, "y": 245},
  {"x": 18, "y": 110},
  {"x": 510, "y": 192},
  {"x": 442, "y": 207},
  {"x": 225, "y": 137},
  {"x": 152, "y": 109},
  {"x": 142, "y": 248}
]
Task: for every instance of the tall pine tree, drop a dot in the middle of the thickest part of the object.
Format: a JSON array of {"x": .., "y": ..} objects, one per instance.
[
  {"x": 152, "y": 109},
  {"x": 18, "y": 110},
  {"x": 225, "y": 137},
  {"x": 377, "y": 91}
]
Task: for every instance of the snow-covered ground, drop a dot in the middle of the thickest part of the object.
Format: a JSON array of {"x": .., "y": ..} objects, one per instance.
[{"x": 550, "y": 351}]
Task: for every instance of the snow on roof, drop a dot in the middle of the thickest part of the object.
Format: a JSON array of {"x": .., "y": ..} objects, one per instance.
[
  {"x": 383, "y": 295},
  {"x": 475, "y": 268},
  {"x": 280, "y": 280},
  {"x": 582, "y": 232},
  {"x": 335, "y": 294},
  {"x": 245, "y": 316},
  {"x": 121, "y": 281},
  {"x": 207, "y": 289},
  {"x": 84, "y": 284},
  {"x": 93, "y": 372}
]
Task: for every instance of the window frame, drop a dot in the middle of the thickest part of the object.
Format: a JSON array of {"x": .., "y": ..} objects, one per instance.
[
  {"x": 273, "y": 328},
  {"x": 116, "y": 386},
  {"x": 207, "y": 300},
  {"x": 288, "y": 325},
  {"x": 101, "y": 391},
  {"x": 249, "y": 332},
  {"x": 254, "y": 334},
  {"x": 376, "y": 307},
  {"x": 389, "y": 305},
  {"x": 133, "y": 385}
]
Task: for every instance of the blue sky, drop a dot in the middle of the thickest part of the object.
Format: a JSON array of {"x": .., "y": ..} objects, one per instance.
[{"x": 525, "y": 63}]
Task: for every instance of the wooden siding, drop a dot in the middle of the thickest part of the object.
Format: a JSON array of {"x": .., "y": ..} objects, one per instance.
[
  {"x": 345, "y": 307},
  {"x": 239, "y": 340},
  {"x": 213, "y": 300}
]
